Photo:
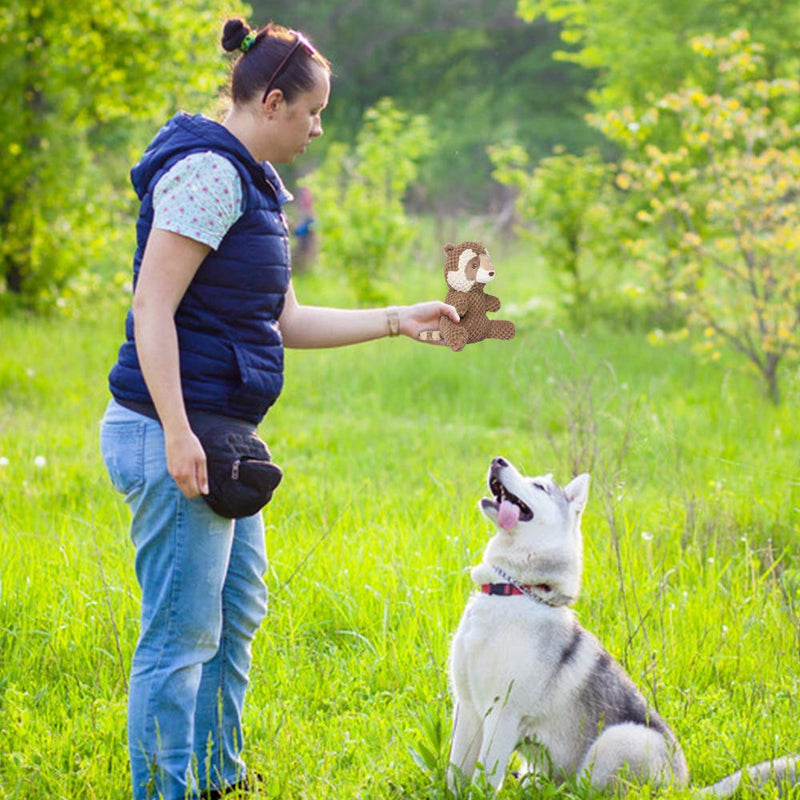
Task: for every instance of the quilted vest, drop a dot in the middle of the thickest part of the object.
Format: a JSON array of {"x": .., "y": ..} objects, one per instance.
[{"x": 230, "y": 345}]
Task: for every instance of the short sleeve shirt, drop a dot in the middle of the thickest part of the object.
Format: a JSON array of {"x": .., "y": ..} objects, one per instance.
[{"x": 199, "y": 197}]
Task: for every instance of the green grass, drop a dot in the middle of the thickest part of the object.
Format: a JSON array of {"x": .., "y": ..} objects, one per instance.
[{"x": 691, "y": 565}]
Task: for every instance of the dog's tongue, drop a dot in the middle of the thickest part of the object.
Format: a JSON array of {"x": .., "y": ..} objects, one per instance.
[{"x": 507, "y": 515}]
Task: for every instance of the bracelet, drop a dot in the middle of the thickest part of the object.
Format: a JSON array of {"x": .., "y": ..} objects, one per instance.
[{"x": 393, "y": 320}]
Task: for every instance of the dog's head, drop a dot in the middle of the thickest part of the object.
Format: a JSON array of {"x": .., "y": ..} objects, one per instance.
[{"x": 538, "y": 540}]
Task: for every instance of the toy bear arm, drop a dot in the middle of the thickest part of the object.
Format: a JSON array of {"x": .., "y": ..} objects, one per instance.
[{"x": 492, "y": 302}]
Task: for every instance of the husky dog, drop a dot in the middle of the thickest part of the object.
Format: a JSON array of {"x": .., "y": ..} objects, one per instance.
[{"x": 523, "y": 669}]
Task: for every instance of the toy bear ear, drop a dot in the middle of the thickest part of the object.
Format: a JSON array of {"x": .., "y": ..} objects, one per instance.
[{"x": 448, "y": 248}]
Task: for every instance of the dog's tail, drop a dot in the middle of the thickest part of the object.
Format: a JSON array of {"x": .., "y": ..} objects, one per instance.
[{"x": 784, "y": 772}]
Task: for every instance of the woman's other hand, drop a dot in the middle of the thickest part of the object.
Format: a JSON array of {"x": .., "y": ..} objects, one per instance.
[{"x": 186, "y": 462}]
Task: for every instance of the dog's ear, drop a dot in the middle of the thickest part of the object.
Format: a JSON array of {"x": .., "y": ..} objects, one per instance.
[{"x": 577, "y": 490}]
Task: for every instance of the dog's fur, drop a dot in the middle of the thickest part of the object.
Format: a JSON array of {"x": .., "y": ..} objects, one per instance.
[{"x": 523, "y": 669}]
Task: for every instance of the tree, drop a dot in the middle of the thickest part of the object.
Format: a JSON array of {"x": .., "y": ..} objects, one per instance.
[
  {"x": 78, "y": 81},
  {"x": 473, "y": 67},
  {"x": 720, "y": 202},
  {"x": 638, "y": 47}
]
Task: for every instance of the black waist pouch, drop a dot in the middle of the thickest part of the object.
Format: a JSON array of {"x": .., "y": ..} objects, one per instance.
[{"x": 241, "y": 476}]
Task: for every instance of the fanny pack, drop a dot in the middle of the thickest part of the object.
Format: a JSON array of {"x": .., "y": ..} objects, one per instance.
[{"x": 241, "y": 475}]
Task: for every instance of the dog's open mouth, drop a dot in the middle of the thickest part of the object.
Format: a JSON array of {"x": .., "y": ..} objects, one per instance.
[{"x": 502, "y": 495}]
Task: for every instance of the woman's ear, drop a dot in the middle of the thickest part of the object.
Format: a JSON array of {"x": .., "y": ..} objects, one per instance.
[{"x": 273, "y": 101}]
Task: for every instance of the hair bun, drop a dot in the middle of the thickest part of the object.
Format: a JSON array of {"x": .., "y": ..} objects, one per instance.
[{"x": 234, "y": 33}]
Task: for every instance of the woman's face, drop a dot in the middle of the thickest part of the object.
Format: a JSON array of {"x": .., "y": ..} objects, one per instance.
[{"x": 296, "y": 124}]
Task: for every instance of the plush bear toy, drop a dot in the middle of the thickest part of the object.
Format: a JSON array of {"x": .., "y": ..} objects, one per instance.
[{"x": 467, "y": 270}]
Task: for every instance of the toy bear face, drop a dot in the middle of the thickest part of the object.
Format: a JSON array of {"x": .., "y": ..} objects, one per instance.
[{"x": 466, "y": 265}]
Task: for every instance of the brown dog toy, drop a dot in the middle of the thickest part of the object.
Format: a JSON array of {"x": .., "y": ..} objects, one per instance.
[{"x": 467, "y": 270}]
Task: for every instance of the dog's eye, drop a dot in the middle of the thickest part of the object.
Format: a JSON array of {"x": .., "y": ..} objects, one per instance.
[{"x": 540, "y": 486}]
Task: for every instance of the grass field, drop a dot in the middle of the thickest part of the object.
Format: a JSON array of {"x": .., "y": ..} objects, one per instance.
[{"x": 692, "y": 570}]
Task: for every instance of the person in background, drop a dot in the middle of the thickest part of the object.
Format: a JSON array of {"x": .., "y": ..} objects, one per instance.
[
  {"x": 305, "y": 251},
  {"x": 213, "y": 309}
]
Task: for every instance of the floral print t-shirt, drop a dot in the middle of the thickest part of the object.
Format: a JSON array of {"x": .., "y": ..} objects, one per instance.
[{"x": 199, "y": 197}]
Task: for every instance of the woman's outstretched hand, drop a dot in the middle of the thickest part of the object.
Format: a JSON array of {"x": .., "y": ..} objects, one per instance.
[{"x": 425, "y": 317}]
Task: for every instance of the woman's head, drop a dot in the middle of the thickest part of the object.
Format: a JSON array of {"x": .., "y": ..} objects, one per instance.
[{"x": 271, "y": 58}]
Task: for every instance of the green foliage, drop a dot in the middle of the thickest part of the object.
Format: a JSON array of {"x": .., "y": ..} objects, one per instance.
[
  {"x": 565, "y": 205},
  {"x": 79, "y": 82},
  {"x": 720, "y": 207},
  {"x": 358, "y": 193},
  {"x": 637, "y": 47}
]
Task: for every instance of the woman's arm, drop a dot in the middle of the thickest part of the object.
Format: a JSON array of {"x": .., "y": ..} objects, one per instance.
[
  {"x": 169, "y": 263},
  {"x": 314, "y": 326}
]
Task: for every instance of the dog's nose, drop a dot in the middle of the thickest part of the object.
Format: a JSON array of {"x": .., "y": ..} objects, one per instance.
[{"x": 499, "y": 462}]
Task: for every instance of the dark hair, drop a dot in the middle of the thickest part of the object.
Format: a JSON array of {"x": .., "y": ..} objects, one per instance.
[{"x": 255, "y": 66}]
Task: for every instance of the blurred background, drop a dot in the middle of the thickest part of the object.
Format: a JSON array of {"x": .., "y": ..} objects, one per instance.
[{"x": 640, "y": 153}]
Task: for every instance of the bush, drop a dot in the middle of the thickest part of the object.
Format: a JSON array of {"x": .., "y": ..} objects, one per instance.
[
  {"x": 564, "y": 206},
  {"x": 719, "y": 212},
  {"x": 358, "y": 194}
]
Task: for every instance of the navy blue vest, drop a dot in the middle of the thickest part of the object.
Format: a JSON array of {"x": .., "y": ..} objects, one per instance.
[{"x": 230, "y": 346}]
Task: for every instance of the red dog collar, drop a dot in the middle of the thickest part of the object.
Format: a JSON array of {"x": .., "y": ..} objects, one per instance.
[{"x": 505, "y": 589}]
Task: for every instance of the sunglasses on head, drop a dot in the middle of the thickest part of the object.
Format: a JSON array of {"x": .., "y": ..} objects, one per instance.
[{"x": 300, "y": 41}]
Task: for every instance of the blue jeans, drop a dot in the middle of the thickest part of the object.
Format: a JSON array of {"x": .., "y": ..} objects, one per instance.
[{"x": 203, "y": 598}]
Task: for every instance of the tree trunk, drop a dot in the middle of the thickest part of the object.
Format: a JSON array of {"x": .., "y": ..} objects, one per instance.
[{"x": 773, "y": 387}]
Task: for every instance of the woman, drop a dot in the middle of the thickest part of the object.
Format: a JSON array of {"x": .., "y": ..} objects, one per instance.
[{"x": 213, "y": 308}]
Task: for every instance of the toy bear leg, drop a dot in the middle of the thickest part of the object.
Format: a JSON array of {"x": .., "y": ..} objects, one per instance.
[
  {"x": 501, "y": 329},
  {"x": 455, "y": 336}
]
